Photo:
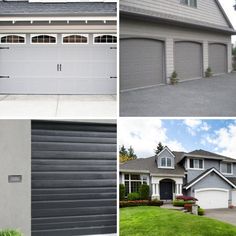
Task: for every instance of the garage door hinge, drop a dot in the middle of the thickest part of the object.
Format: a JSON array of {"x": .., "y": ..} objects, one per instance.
[
  {"x": 4, "y": 77},
  {"x": 113, "y": 47},
  {"x": 4, "y": 48},
  {"x": 113, "y": 77}
]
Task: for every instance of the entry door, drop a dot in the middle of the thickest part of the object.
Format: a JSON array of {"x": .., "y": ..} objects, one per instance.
[
  {"x": 73, "y": 179},
  {"x": 166, "y": 191}
]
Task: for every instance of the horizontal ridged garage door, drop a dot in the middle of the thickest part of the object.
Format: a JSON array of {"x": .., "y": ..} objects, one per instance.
[
  {"x": 218, "y": 58},
  {"x": 188, "y": 60},
  {"x": 73, "y": 179},
  {"x": 141, "y": 63}
]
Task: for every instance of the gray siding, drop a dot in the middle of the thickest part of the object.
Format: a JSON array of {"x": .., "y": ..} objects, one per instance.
[
  {"x": 207, "y": 11},
  {"x": 166, "y": 154}
]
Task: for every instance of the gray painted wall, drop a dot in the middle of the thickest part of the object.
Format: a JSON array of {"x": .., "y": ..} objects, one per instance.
[
  {"x": 15, "y": 159},
  {"x": 206, "y": 11},
  {"x": 165, "y": 153}
]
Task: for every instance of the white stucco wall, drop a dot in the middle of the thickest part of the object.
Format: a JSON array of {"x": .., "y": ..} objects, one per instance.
[{"x": 15, "y": 159}]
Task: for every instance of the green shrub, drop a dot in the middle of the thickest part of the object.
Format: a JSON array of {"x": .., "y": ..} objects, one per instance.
[
  {"x": 133, "y": 196},
  {"x": 10, "y": 233},
  {"x": 122, "y": 192},
  {"x": 208, "y": 73},
  {"x": 155, "y": 203},
  {"x": 174, "y": 78},
  {"x": 201, "y": 212},
  {"x": 140, "y": 203},
  {"x": 144, "y": 192},
  {"x": 181, "y": 203}
]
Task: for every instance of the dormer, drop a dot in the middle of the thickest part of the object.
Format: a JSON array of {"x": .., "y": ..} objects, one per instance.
[{"x": 165, "y": 159}]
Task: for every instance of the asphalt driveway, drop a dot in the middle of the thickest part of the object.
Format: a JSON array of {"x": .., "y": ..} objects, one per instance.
[
  {"x": 225, "y": 215},
  {"x": 204, "y": 97}
]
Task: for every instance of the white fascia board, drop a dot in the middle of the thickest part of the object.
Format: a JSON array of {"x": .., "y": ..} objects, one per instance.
[
  {"x": 164, "y": 149},
  {"x": 134, "y": 171},
  {"x": 206, "y": 174},
  {"x": 59, "y": 18},
  {"x": 53, "y": 1}
]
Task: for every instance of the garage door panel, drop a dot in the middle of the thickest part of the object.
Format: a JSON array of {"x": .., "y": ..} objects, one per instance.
[
  {"x": 188, "y": 60},
  {"x": 68, "y": 192},
  {"x": 218, "y": 58},
  {"x": 212, "y": 199},
  {"x": 141, "y": 63}
]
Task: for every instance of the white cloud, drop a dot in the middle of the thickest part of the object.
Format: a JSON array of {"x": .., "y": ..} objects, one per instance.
[
  {"x": 194, "y": 126},
  {"x": 224, "y": 140},
  {"x": 144, "y": 134}
]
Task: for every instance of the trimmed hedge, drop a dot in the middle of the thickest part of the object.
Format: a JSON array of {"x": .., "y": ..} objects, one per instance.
[
  {"x": 122, "y": 192},
  {"x": 181, "y": 203},
  {"x": 133, "y": 196},
  {"x": 10, "y": 233},
  {"x": 144, "y": 192},
  {"x": 201, "y": 212},
  {"x": 186, "y": 198},
  {"x": 124, "y": 204}
]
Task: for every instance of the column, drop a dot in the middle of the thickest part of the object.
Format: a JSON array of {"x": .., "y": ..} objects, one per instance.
[
  {"x": 169, "y": 58},
  {"x": 205, "y": 56}
]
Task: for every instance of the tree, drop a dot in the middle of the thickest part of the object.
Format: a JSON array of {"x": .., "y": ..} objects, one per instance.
[
  {"x": 123, "y": 150},
  {"x": 131, "y": 153},
  {"x": 127, "y": 155},
  {"x": 159, "y": 148}
]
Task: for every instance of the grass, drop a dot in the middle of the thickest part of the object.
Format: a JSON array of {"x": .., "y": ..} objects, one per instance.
[
  {"x": 9, "y": 233},
  {"x": 155, "y": 221}
]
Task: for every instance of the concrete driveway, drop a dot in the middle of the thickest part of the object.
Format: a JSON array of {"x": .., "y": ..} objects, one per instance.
[
  {"x": 58, "y": 106},
  {"x": 204, "y": 97},
  {"x": 225, "y": 215}
]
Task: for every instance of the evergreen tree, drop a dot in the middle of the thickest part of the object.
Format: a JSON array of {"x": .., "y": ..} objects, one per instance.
[
  {"x": 159, "y": 148},
  {"x": 131, "y": 153}
]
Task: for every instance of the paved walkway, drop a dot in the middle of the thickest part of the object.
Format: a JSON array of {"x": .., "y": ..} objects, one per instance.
[
  {"x": 58, "y": 106},
  {"x": 204, "y": 97}
]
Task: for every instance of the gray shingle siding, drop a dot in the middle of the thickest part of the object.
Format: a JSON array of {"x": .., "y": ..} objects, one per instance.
[{"x": 72, "y": 9}]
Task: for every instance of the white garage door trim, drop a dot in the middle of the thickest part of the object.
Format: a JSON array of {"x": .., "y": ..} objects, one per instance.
[
  {"x": 234, "y": 197},
  {"x": 212, "y": 189}
]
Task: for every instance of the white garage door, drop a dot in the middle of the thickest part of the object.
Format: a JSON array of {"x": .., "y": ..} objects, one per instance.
[
  {"x": 212, "y": 198},
  {"x": 58, "y": 64}
]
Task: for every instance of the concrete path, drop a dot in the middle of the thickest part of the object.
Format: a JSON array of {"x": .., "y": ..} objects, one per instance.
[
  {"x": 204, "y": 97},
  {"x": 225, "y": 215},
  {"x": 58, "y": 106}
]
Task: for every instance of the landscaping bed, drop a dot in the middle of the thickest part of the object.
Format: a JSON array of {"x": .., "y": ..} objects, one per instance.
[{"x": 10, "y": 233}]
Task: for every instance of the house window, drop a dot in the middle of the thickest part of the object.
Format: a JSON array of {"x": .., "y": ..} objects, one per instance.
[
  {"x": 227, "y": 168},
  {"x": 75, "y": 38},
  {"x": 43, "y": 39},
  {"x": 196, "y": 164},
  {"x": 104, "y": 38},
  {"x": 14, "y": 39},
  {"x": 166, "y": 162},
  {"x": 133, "y": 182},
  {"x": 191, "y": 3}
]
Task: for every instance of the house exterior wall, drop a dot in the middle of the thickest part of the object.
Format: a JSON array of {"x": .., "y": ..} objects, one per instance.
[
  {"x": 165, "y": 153},
  {"x": 206, "y": 11},
  {"x": 15, "y": 159},
  {"x": 134, "y": 28}
]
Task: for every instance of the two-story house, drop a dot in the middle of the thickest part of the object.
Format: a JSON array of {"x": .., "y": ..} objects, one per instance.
[
  {"x": 159, "y": 37},
  {"x": 209, "y": 177}
]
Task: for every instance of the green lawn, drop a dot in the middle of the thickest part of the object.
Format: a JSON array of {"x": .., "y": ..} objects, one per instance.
[{"x": 155, "y": 221}]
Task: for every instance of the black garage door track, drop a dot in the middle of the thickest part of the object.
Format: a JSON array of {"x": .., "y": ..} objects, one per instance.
[{"x": 204, "y": 97}]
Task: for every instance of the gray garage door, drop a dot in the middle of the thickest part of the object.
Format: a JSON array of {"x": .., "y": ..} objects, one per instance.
[
  {"x": 218, "y": 58},
  {"x": 188, "y": 60},
  {"x": 73, "y": 179},
  {"x": 58, "y": 68},
  {"x": 141, "y": 63}
]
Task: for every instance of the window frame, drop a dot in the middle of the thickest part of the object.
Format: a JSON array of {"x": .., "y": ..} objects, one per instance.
[
  {"x": 96, "y": 35},
  {"x": 196, "y": 159},
  {"x": 189, "y": 3},
  {"x": 52, "y": 35},
  {"x": 84, "y": 35},
  {"x": 5, "y": 35},
  {"x": 226, "y": 163},
  {"x": 166, "y": 161}
]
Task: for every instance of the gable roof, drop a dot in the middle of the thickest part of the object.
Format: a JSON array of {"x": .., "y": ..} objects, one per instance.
[
  {"x": 24, "y": 8},
  {"x": 170, "y": 19},
  {"x": 205, "y": 174}
]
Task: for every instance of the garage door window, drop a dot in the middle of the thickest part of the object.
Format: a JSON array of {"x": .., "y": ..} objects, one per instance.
[
  {"x": 13, "y": 39},
  {"x": 75, "y": 38},
  {"x": 43, "y": 39},
  {"x": 104, "y": 39}
]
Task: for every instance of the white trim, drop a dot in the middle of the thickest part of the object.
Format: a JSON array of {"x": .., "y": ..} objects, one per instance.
[
  {"x": 188, "y": 164},
  {"x": 52, "y": 35},
  {"x": 84, "y": 35},
  {"x": 96, "y": 35},
  {"x": 210, "y": 189},
  {"x": 4, "y": 35},
  {"x": 166, "y": 167},
  {"x": 232, "y": 168},
  {"x": 210, "y": 171},
  {"x": 166, "y": 148}
]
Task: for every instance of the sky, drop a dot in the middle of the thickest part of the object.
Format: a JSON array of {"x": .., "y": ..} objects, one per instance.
[
  {"x": 231, "y": 13},
  {"x": 143, "y": 134}
]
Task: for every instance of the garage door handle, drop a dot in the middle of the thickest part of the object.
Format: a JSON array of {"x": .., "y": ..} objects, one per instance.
[
  {"x": 4, "y": 77},
  {"x": 113, "y": 47},
  {"x": 60, "y": 67},
  {"x": 113, "y": 77},
  {"x": 57, "y": 67},
  {"x": 4, "y": 48}
]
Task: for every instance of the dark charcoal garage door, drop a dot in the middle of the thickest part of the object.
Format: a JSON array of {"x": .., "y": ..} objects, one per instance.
[
  {"x": 188, "y": 60},
  {"x": 73, "y": 179},
  {"x": 141, "y": 63},
  {"x": 218, "y": 58}
]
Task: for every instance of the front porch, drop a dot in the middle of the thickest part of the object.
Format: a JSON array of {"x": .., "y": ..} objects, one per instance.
[{"x": 166, "y": 188}]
